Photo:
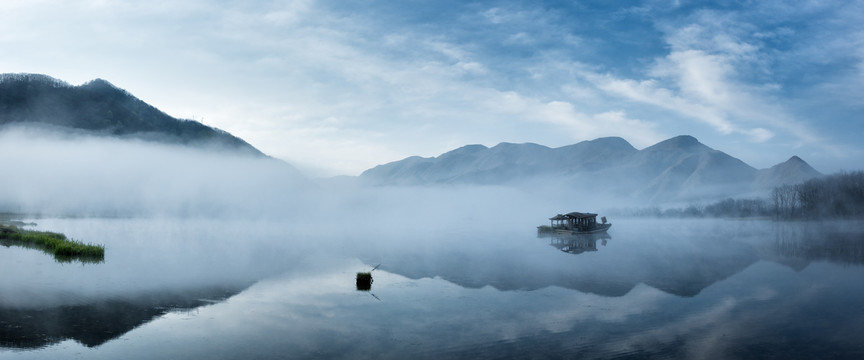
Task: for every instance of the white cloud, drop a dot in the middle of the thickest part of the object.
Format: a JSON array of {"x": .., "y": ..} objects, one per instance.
[
  {"x": 760, "y": 134},
  {"x": 349, "y": 91},
  {"x": 496, "y": 15},
  {"x": 578, "y": 125},
  {"x": 702, "y": 93},
  {"x": 708, "y": 76},
  {"x": 649, "y": 92},
  {"x": 520, "y": 38},
  {"x": 290, "y": 13},
  {"x": 700, "y": 76}
]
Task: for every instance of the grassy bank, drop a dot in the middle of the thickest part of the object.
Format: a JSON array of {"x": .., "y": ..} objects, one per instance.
[{"x": 63, "y": 249}]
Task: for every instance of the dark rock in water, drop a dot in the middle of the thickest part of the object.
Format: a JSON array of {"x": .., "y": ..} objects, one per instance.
[{"x": 364, "y": 281}]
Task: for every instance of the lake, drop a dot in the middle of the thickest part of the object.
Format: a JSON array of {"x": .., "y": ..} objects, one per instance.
[{"x": 466, "y": 288}]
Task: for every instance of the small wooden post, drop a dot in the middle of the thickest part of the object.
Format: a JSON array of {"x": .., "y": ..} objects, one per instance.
[{"x": 364, "y": 281}]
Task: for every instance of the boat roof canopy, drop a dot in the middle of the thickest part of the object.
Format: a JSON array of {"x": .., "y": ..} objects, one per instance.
[{"x": 573, "y": 215}]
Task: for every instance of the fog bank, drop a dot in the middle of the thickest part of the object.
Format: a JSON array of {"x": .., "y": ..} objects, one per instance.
[{"x": 60, "y": 174}]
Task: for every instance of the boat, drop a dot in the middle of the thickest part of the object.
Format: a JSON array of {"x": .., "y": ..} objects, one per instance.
[{"x": 575, "y": 223}]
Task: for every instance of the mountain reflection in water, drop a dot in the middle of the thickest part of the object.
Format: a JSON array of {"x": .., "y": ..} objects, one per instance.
[
  {"x": 681, "y": 265},
  {"x": 678, "y": 262},
  {"x": 99, "y": 321},
  {"x": 659, "y": 289},
  {"x": 797, "y": 244}
]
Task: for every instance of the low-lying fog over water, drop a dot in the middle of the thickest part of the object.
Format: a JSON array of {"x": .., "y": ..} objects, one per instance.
[
  {"x": 475, "y": 288},
  {"x": 50, "y": 172},
  {"x": 208, "y": 256}
]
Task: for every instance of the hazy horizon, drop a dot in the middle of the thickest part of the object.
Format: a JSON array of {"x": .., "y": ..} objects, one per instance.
[
  {"x": 337, "y": 88},
  {"x": 169, "y": 239}
]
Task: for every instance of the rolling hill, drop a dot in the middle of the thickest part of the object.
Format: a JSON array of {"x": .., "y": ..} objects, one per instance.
[{"x": 677, "y": 169}]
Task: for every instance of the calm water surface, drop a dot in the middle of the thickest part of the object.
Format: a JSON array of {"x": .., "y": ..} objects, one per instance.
[{"x": 238, "y": 289}]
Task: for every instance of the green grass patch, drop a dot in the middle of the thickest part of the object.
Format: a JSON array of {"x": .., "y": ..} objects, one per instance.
[{"x": 63, "y": 249}]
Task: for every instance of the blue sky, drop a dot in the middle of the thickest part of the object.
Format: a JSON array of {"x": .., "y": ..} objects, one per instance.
[{"x": 337, "y": 87}]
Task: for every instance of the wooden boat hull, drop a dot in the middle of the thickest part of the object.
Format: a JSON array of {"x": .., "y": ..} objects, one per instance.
[{"x": 600, "y": 228}]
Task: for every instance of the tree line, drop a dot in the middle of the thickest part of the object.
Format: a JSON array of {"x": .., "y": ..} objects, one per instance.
[{"x": 839, "y": 195}]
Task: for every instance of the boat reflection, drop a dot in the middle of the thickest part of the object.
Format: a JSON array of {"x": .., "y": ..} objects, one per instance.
[
  {"x": 576, "y": 243},
  {"x": 677, "y": 263}
]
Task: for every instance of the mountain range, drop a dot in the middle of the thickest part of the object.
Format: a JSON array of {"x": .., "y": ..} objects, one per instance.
[
  {"x": 677, "y": 169},
  {"x": 100, "y": 108}
]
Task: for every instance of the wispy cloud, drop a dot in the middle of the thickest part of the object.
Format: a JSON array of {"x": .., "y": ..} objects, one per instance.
[
  {"x": 568, "y": 118},
  {"x": 707, "y": 76},
  {"x": 350, "y": 86}
]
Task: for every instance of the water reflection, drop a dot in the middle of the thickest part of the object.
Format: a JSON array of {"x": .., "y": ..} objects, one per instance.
[
  {"x": 683, "y": 261},
  {"x": 100, "y": 321},
  {"x": 761, "y": 313},
  {"x": 697, "y": 289},
  {"x": 155, "y": 268},
  {"x": 797, "y": 244},
  {"x": 576, "y": 244}
]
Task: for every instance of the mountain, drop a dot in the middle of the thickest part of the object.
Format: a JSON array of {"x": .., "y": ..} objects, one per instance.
[
  {"x": 505, "y": 162},
  {"x": 98, "y": 107},
  {"x": 682, "y": 168},
  {"x": 677, "y": 169},
  {"x": 790, "y": 172},
  {"x": 94, "y": 324}
]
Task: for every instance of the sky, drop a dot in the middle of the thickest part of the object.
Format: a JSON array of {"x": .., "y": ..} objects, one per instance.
[{"x": 336, "y": 87}]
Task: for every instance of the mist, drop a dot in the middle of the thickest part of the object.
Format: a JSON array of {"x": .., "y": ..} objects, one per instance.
[
  {"x": 179, "y": 217},
  {"x": 208, "y": 246},
  {"x": 51, "y": 173},
  {"x": 60, "y": 174}
]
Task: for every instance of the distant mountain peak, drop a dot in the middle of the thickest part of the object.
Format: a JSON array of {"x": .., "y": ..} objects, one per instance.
[
  {"x": 612, "y": 141},
  {"x": 464, "y": 150},
  {"x": 681, "y": 142},
  {"x": 796, "y": 159},
  {"x": 99, "y": 83},
  {"x": 470, "y": 148},
  {"x": 101, "y": 108},
  {"x": 616, "y": 139},
  {"x": 796, "y": 162},
  {"x": 688, "y": 139},
  {"x": 792, "y": 171},
  {"x": 505, "y": 145}
]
